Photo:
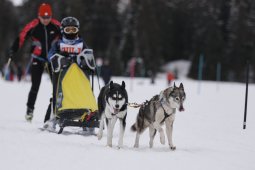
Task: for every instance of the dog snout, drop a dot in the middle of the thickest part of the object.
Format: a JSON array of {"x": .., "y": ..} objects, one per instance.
[
  {"x": 181, "y": 108},
  {"x": 117, "y": 106}
]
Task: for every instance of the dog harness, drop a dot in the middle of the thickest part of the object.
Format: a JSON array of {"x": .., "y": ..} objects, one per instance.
[{"x": 165, "y": 113}]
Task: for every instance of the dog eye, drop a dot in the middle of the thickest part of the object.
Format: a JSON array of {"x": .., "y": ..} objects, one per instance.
[
  {"x": 177, "y": 98},
  {"x": 113, "y": 97}
]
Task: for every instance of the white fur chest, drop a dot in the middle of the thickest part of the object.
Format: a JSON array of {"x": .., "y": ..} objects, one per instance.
[{"x": 168, "y": 108}]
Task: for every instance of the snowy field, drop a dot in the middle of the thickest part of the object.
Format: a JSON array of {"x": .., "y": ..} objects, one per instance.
[{"x": 208, "y": 134}]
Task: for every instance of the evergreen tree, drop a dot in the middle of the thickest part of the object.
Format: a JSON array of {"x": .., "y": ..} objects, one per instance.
[{"x": 8, "y": 22}]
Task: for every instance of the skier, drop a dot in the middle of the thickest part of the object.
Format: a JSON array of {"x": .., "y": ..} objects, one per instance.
[
  {"x": 43, "y": 31},
  {"x": 70, "y": 44}
]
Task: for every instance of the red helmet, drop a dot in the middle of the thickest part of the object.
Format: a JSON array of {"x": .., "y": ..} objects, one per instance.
[{"x": 45, "y": 10}]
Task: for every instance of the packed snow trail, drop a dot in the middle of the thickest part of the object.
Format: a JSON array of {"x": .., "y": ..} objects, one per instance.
[{"x": 208, "y": 134}]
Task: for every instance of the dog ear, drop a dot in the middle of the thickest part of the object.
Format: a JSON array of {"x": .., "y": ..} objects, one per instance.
[
  {"x": 181, "y": 86},
  {"x": 123, "y": 85},
  {"x": 111, "y": 85}
]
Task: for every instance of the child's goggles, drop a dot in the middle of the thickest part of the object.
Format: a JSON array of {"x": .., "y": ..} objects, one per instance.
[{"x": 71, "y": 30}]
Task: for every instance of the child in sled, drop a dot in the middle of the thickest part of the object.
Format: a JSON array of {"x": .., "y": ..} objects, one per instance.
[{"x": 72, "y": 65}]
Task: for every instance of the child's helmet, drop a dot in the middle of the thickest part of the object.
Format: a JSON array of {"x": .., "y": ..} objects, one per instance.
[{"x": 70, "y": 27}]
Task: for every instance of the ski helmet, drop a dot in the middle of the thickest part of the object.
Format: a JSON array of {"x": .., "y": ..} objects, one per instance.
[{"x": 70, "y": 27}]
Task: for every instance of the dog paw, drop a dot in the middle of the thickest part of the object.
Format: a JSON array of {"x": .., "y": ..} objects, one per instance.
[
  {"x": 120, "y": 145},
  {"x": 109, "y": 145},
  {"x": 173, "y": 148}
]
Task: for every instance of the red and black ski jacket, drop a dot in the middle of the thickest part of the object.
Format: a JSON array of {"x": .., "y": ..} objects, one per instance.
[{"x": 42, "y": 38}]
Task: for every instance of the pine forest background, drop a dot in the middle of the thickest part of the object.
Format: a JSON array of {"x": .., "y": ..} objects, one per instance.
[{"x": 157, "y": 31}]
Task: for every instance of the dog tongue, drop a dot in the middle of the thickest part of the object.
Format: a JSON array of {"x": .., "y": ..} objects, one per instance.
[
  {"x": 116, "y": 111},
  {"x": 181, "y": 108}
]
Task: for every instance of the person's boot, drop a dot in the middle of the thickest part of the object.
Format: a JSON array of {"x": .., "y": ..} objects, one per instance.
[
  {"x": 29, "y": 114},
  {"x": 50, "y": 125}
]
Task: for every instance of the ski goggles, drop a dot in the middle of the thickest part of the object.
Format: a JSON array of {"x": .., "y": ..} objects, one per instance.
[
  {"x": 71, "y": 30},
  {"x": 46, "y": 17}
]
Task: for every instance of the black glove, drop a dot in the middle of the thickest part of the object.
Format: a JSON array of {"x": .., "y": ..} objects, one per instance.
[
  {"x": 58, "y": 62},
  {"x": 82, "y": 63},
  {"x": 64, "y": 62},
  {"x": 55, "y": 64}
]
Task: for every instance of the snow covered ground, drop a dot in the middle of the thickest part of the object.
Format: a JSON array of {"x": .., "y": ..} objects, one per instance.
[{"x": 208, "y": 134}]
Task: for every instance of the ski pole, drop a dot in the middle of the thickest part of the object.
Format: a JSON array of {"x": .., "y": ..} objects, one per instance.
[
  {"x": 97, "y": 75},
  {"x": 7, "y": 68},
  {"x": 246, "y": 94}
]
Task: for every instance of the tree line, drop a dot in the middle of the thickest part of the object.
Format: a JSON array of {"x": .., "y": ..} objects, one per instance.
[{"x": 223, "y": 31}]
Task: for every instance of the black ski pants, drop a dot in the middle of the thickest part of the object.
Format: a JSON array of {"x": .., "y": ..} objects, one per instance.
[{"x": 36, "y": 70}]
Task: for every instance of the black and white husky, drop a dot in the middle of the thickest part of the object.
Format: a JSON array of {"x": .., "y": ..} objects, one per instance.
[
  {"x": 158, "y": 110},
  {"x": 112, "y": 105}
]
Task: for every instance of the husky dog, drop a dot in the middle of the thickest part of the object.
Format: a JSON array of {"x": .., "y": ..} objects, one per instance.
[
  {"x": 159, "y": 109},
  {"x": 112, "y": 105}
]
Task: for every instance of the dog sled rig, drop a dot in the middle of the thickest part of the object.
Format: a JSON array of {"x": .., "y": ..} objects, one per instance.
[{"x": 74, "y": 103}]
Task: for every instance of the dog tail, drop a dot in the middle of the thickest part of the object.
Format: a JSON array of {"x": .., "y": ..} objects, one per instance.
[{"x": 133, "y": 128}]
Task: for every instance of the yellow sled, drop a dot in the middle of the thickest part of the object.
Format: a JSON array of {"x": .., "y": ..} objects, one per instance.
[{"x": 75, "y": 103}]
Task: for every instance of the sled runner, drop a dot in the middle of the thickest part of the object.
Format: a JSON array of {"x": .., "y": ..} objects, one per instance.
[{"x": 73, "y": 99}]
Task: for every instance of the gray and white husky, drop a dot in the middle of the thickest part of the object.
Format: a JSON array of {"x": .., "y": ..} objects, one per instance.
[
  {"x": 158, "y": 110},
  {"x": 112, "y": 105}
]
